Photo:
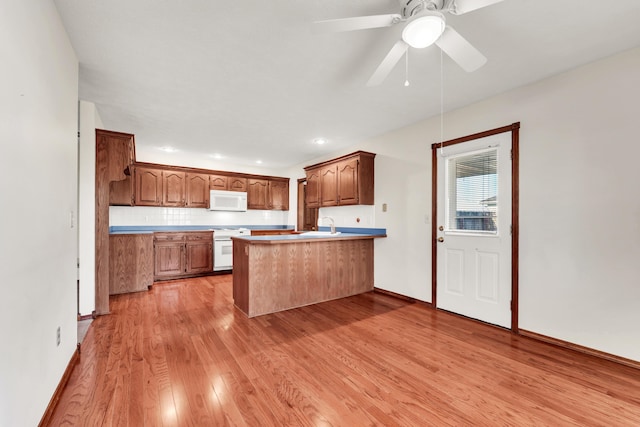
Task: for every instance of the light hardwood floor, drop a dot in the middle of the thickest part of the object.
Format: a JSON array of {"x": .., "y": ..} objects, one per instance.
[{"x": 181, "y": 355}]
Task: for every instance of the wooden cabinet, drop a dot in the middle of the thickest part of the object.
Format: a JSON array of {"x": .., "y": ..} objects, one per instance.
[
  {"x": 329, "y": 186},
  {"x": 158, "y": 187},
  {"x": 199, "y": 253},
  {"x": 230, "y": 183},
  {"x": 278, "y": 195},
  {"x": 236, "y": 183},
  {"x": 218, "y": 182},
  {"x": 312, "y": 189},
  {"x": 257, "y": 190},
  {"x": 148, "y": 186},
  {"x": 130, "y": 263},
  {"x": 268, "y": 194},
  {"x": 347, "y": 180},
  {"x": 182, "y": 254},
  {"x": 173, "y": 188},
  {"x": 115, "y": 152},
  {"x": 168, "y": 252},
  {"x": 197, "y": 190}
]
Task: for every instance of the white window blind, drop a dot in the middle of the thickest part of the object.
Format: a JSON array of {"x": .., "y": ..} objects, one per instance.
[{"x": 472, "y": 192}]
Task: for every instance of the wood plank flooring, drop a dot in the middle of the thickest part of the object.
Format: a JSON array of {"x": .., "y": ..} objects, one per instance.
[{"x": 182, "y": 355}]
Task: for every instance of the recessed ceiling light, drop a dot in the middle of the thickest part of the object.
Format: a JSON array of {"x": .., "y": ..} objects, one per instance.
[
  {"x": 168, "y": 149},
  {"x": 259, "y": 162},
  {"x": 216, "y": 156},
  {"x": 319, "y": 141}
]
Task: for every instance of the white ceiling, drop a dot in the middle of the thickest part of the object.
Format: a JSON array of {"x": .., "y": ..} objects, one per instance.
[{"x": 249, "y": 79}]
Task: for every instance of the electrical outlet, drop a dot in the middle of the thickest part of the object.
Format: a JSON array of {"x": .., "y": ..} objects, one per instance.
[{"x": 58, "y": 336}]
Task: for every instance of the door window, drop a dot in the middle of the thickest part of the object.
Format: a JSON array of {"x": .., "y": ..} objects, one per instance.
[{"x": 472, "y": 192}]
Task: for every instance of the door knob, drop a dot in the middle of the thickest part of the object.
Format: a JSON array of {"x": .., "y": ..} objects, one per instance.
[{"x": 440, "y": 239}]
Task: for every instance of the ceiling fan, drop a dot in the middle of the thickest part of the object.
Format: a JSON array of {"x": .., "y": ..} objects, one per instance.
[{"x": 424, "y": 25}]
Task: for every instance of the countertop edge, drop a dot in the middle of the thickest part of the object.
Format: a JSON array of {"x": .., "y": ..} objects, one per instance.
[{"x": 298, "y": 238}]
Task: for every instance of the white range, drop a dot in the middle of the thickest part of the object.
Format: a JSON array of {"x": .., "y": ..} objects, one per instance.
[{"x": 223, "y": 247}]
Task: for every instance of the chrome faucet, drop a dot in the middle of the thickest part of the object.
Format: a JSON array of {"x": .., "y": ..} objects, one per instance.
[{"x": 333, "y": 225}]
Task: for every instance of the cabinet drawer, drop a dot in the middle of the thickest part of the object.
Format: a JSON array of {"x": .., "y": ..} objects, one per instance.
[
  {"x": 163, "y": 237},
  {"x": 206, "y": 236}
]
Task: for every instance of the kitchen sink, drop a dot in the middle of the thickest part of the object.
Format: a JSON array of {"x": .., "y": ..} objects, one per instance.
[{"x": 321, "y": 233}]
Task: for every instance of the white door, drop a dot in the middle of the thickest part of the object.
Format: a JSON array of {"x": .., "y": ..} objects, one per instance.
[{"x": 474, "y": 229}]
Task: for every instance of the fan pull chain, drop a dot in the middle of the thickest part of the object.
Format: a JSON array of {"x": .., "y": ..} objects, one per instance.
[
  {"x": 406, "y": 68},
  {"x": 441, "y": 104}
]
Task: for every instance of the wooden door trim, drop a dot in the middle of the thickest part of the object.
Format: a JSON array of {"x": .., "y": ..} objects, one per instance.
[{"x": 514, "y": 128}]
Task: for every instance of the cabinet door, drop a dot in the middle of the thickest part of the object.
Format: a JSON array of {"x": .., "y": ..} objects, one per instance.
[
  {"x": 329, "y": 186},
  {"x": 169, "y": 258},
  {"x": 199, "y": 256},
  {"x": 348, "y": 182},
  {"x": 197, "y": 190},
  {"x": 218, "y": 182},
  {"x": 278, "y": 195},
  {"x": 148, "y": 189},
  {"x": 257, "y": 190},
  {"x": 312, "y": 192},
  {"x": 173, "y": 188},
  {"x": 237, "y": 184}
]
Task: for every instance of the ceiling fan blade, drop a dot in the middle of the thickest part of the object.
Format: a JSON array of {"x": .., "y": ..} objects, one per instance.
[
  {"x": 460, "y": 7},
  {"x": 460, "y": 50},
  {"x": 357, "y": 23},
  {"x": 388, "y": 63}
]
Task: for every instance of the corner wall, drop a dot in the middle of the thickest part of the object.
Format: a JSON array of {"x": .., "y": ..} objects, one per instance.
[
  {"x": 579, "y": 204},
  {"x": 38, "y": 183},
  {"x": 89, "y": 121}
]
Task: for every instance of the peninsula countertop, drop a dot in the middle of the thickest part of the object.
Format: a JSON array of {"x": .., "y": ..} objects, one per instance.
[{"x": 322, "y": 236}]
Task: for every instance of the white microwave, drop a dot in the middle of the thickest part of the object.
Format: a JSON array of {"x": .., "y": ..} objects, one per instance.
[{"x": 220, "y": 200}]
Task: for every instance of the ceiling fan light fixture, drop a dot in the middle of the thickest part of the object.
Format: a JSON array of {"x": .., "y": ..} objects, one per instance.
[{"x": 424, "y": 30}]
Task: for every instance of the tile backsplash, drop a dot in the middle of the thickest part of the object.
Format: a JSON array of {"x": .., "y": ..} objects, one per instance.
[
  {"x": 349, "y": 216},
  {"x": 149, "y": 215}
]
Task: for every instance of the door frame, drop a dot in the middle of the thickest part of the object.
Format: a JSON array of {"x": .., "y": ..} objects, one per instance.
[
  {"x": 514, "y": 128},
  {"x": 302, "y": 209}
]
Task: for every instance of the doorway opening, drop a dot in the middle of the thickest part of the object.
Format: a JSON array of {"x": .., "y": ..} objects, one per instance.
[{"x": 307, "y": 217}]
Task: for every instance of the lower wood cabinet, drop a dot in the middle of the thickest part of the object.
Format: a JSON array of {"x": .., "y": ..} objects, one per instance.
[
  {"x": 182, "y": 254},
  {"x": 130, "y": 263}
]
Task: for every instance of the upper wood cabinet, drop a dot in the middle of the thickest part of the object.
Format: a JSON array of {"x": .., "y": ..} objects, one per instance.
[
  {"x": 279, "y": 195},
  {"x": 257, "y": 190},
  {"x": 120, "y": 155},
  {"x": 197, "y": 190},
  {"x": 174, "y": 188},
  {"x": 347, "y": 180},
  {"x": 236, "y": 183},
  {"x": 230, "y": 183},
  {"x": 268, "y": 194},
  {"x": 148, "y": 186},
  {"x": 159, "y": 185},
  {"x": 312, "y": 189},
  {"x": 218, "y": 182},
  {"x": 329, "y": 185}
]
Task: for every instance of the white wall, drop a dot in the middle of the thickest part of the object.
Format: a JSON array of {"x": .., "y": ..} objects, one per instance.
[
  {"x": 89, "y": 122},
  {"x": 38, "y": 184},
  {"x": 579, "y": 202}
]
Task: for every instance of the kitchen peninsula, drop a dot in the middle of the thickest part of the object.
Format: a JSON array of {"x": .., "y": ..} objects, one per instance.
[{"x": 275, "y": 273}]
